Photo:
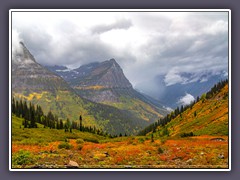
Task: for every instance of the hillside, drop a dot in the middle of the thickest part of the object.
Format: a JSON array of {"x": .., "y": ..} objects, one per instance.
[
  {"x": 41, "y": 135},
  {"x": 51, "y": 148},
  {"x": 166, "y": 147},
  {"x": 33, "y": 82},
  {"x": 208, "y": 116}
]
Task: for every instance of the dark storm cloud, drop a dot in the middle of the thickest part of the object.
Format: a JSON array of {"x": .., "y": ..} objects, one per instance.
[{"x": 146, "y": 45}]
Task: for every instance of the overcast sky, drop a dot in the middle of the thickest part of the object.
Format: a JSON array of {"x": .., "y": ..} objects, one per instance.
[{"x": 145, "y": 44}]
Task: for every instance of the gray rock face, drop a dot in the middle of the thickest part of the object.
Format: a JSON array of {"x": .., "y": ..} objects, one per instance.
[
  {"x": 108, "y": 74},
  {"x": 29, "y": 76}
]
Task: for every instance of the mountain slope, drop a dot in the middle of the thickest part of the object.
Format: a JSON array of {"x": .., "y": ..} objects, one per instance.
[
  {"x": 208, "y": 116},
  {"x": 33, "y": 82},
  {"x": 106, "y": 83}
]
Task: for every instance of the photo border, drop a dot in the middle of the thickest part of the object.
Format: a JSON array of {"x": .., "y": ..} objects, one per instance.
[{"x": 121, "y": 10}]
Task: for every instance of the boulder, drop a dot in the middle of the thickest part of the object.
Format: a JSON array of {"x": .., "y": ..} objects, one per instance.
[{"x": 72, "y": 164}]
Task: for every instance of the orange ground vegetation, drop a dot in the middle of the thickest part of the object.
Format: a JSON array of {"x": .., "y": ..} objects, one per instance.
[{"x": 194, "y": 152}]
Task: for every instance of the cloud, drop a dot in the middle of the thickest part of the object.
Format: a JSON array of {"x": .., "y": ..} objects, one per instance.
[
  {"x": 187, "y": 99},
  {"x": 16, "y": 47},
  {"x": 172, "y": 77},
  {"x": 145, "y": 44},
  {"x": 119, "y": 24}
]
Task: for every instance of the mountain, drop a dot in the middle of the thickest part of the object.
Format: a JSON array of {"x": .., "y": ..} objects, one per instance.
[
  {"x": 107, "y": 74},
  {"x": 207, "y": 116},
  {"x": 29, "y": 76},
  {"x": 33, "y": 82},
  {"x": 106, "y": 83},
  {"x": 171, "y": 94},
  {"x": 70, "y": 74}
]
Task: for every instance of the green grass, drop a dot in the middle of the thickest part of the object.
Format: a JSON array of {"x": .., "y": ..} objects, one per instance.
[
  {"x": 23, "y": 158},
  {"x": 66, "y": 104},
  {"x": 30, "y": 136},
  {"x": 204, "y": 118}
]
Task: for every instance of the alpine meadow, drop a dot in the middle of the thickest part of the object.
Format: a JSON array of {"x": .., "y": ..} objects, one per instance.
[{"x": 120, "y": 90}]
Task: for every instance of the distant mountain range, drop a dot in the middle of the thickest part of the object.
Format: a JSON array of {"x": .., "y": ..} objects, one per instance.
[
  {"x": 195, "y": 85},
  {"x": 173, "y": 93},
  {"x": 98, "y": 91}
]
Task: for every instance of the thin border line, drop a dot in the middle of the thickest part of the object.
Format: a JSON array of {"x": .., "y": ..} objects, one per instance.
[{"x": 121, "y": 10}]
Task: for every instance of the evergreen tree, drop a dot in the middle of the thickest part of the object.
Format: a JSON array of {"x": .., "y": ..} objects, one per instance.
[
  {"x": 61, "y": 124},
  {"x": 20, "y": 108},
  {"x": 195, "y": 113},
  {"x": 50, "y": 120},
  {"x": 68, "y": 124},
  {"x": 25, "y": 110},
  {"x": 17, "y": 109},
  {"x": 80, "y": 119},
  {"x": 152, "y": 140},
  {"x": 13, "y": 106}
]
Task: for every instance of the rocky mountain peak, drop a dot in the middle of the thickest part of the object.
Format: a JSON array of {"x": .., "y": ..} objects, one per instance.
[
  {"x": 28, "y": 75},
  {"x": 108, "y": 74},
  {"x": 113, "y": 61},
  {"x": 22, "y": 55}
]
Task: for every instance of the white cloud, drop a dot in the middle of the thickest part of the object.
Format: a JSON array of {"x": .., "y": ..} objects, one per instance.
[
  {"x": 16, "y": 48},
  {"x": 187, "y": 99},
  {"x": 145, "y": 44},
  {"x": 172, "y": 77}
]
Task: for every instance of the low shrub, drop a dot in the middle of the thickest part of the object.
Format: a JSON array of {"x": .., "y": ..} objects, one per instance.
[
  {"x": 93, "y": 140},
  {"x": 79, "y": 147},
  {"x": 64, "y": 145},
  {"x": 187, "y": 134},
  {"x": 141, "y": 140},
  {"x": 22, "y": 157},
  {"x": 160, "y": 150},
  {"x": 79, "y": 141}
]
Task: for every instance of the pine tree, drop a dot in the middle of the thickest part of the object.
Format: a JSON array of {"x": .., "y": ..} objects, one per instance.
[
  {"x": 152, "y": 140},
  {"x": 80, "y": 119},
  {"x": 61, "y": 124},
  {"x": 50, "y": 120},
  {"x": 68, "y": 124},
  {"x": 25, "y": 110},
  {"x": 20, "y": 108},
  {"x": 195, "y": 113},
  {"x": 17, "y": 109},
  {"x": 13, "y": 106}
]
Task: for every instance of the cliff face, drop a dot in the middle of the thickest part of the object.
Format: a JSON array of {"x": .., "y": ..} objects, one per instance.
[
  {"x": 107, "y": 74},
  {"x": 29, "y": 76}
]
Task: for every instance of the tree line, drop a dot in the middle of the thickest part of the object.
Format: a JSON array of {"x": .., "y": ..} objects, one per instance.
[
  {"x": 163, "y": 121},
  {"x": 33, "y": 115}
]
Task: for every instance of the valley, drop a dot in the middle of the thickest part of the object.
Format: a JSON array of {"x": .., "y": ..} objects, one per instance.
[
  {"x": 92, "y": 117},
  {"x": 190, "y": 140},
  {"x": 39, "y": 148},
  {"x": 35, "y": 83}
]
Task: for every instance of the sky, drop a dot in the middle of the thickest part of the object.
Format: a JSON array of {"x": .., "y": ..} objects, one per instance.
[{"x": 147, "y": 45}]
